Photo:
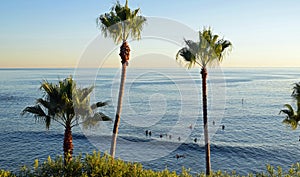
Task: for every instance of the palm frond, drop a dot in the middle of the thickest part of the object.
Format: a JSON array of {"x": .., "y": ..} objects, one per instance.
[
  {"x": 214, "y": 39},
  {"x": 192, "y": 46},
  {"x": 48, "y": 88},
  {"x": 101, "y": 117},
  {"x": 66, "y": 87},
  {"x": 50, "y": 106},
  {"x": 124, "y": 13},
  {"x": 188, "y": 57},
  {"x": 111, "y": 26},
  {"x": 44, "y": 103},
  {"x": 298, "y": 109},
  {"x": 291, "y": 123},
  {"x": 296, "y": 91},
  {"x": 93, "y": 120},
  {"x": 136, "y": 25},
  {"x": 99, "y": 104},
  {"x": 38, "y": 113},
  {"x": 289, "y": 111},
  {"x": 35, "y": 110},
  {"x": 220, "y": 48},
  {"x": 207, "y": 35},
  {"x": 84, "y": 93}
]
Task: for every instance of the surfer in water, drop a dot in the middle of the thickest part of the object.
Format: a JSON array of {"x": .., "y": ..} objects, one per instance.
[{"x": 179, "y": 156}]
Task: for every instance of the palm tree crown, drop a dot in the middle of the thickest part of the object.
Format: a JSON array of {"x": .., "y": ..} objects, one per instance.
[
  {"x": 121, "y": 22},
  {"x": 67, "y": 105},
  {"x": 293, "y": 117},
  {"x": 204, "y": 52}
]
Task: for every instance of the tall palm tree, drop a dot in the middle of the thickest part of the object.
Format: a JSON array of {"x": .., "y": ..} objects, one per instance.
[
  {"x": 204, "y": 53},
  {"x": 293, "y": 117},
  {"x": 120, "y": 24},
  {"x": 67, "y": 105}
]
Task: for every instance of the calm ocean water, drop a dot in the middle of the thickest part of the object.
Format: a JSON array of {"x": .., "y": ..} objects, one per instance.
[{"x": 166, "y": 101}]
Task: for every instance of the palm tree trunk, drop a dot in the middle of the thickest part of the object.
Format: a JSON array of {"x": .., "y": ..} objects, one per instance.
[
  {"x": 68, "y": 144},
  {"x": 125, "y": 54},
  {"x": 206, "y": 135}
]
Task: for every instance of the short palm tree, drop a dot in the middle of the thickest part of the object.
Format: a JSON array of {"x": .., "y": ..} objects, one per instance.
[
  {"x": 293, "y": 117},
  {"x": 120, "y": 24},
  {"x": 208, "y": 50},
  {"x": 67, "y": 105}
]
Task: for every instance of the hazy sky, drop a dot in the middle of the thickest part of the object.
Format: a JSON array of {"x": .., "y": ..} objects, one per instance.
[{"x": 55, "y": 33}]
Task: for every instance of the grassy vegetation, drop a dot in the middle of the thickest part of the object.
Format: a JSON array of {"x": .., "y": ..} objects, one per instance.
[{"x": 95, "y": 165}]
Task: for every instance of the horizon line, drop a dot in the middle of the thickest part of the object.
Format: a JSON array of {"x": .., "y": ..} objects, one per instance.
[{"x": 146, "y": 67}]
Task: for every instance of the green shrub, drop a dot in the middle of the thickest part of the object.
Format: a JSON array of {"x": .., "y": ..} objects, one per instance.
[
  {"x": 294, "y": 171},
  {"x": 54, "y": 168},
  {"x": 97, "y": 165},
  {"x": 93, "y": 165},
  {"x": 6, "y": 174}
]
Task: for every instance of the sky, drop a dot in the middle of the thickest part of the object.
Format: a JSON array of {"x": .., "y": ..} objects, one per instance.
[{"x": 55, "y": 33}]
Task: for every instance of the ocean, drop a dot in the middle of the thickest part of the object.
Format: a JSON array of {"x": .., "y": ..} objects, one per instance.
[{"x": 246, "y": 130}]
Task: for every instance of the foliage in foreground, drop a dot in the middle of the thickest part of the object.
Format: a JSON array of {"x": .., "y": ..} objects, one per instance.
[{"x": 95, "y": 165}]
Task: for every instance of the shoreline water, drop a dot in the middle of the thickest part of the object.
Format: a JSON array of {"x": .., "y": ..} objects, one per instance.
[{"x": 254, "y": 135}]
